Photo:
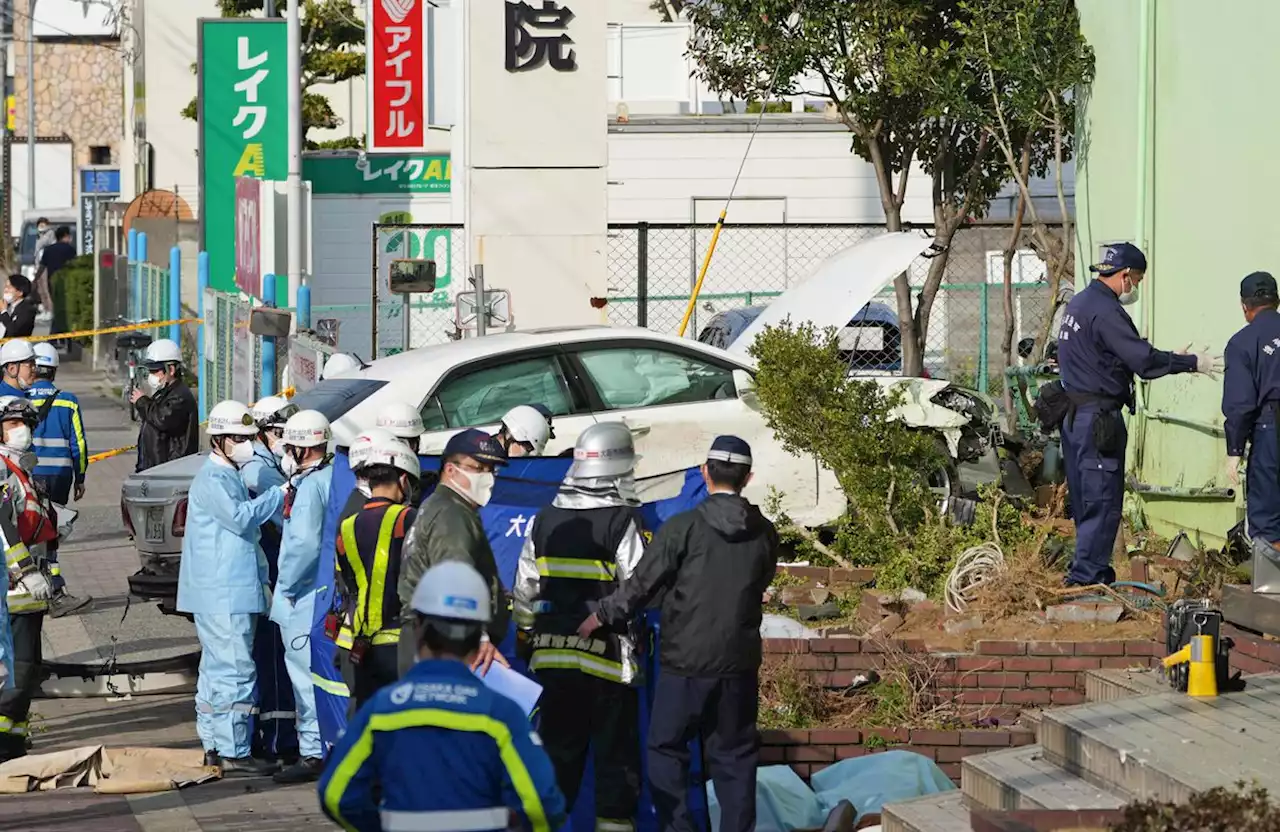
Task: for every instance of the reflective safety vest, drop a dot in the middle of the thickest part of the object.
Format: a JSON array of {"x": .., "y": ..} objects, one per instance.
[
  {"x": 576, "y": 556},
  {"x": 369, "y": 545},
  {"x": 32, "y": 526}
]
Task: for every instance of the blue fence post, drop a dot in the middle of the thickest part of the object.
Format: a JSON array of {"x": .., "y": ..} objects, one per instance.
[
  {"x": 304, "y": 307},
  {"x": 175, "y": 293},
  {"x": 132, "y": 245},
  {"x": 202, "y": 283},
  {"x": 144, "y": 293},
  {"x": 268, "y": 381}
]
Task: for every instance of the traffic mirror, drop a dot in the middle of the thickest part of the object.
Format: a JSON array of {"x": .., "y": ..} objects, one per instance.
[{"x": 410, "y": 276}]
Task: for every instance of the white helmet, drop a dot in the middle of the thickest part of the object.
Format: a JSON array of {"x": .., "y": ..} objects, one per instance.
[
  {"x": 231, "y": 418},
  {"x": 392, "y": 451},
  {"x": 17, "y": 351},
  {"x": 603, "y": 450},
  {"x": 403, "y": 420},
  {"x": 273, "y": 410},
  {"x": 453, "y": 591},
  {"x": 338, "y": 364},
  {"x": 46, "y": 355},
  {"x": 526, "y": 425},
  {"x": 163, "y": 352},
  {"x": 364, "y": 441},
  {"x": 307, "y": 429}
]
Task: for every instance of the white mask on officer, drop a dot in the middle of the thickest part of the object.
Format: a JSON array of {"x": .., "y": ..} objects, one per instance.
[{"x": 1130, "y": 294}]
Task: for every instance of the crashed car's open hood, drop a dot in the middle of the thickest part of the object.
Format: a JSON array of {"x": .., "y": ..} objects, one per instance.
[{"x": 843, "y": 284}]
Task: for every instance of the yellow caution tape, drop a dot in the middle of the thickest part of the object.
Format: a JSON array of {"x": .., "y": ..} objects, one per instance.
[
  {"x": 85, "y": 333},
  {"x": 286, "y": 393}
]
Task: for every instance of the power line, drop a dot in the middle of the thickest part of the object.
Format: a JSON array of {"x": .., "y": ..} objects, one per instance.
[{"x": 82, "y": 39}]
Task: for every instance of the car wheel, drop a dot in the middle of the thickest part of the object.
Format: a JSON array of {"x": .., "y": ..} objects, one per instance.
[{"x": 944, "y": 482}]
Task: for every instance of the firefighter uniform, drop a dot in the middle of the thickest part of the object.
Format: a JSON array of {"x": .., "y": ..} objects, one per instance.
[
  {"x": 369, "y": 547},
  {"x": 572, "y": 559}
]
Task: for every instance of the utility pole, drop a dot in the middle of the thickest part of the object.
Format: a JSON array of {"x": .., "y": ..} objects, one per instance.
[
  {"x": 268, "y": 8},
  {"x": 293, "y": 191},
  {"x": 31, "y": 104},
  {"x": 6, "y": 35}
]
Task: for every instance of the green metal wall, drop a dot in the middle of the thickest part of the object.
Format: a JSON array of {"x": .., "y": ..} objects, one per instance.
[{"x": 1178, "y": 146}]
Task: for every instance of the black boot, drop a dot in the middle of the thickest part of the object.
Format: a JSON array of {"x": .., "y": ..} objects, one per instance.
[
  {"x": 306, "y": 770},
  {"x": 12, "y": 746},
  {"x": 251, "y": 766},
  {"x": 211, "y": 758}
]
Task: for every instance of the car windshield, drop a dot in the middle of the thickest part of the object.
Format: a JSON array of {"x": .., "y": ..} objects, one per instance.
[{"x": 336, "y": 396}]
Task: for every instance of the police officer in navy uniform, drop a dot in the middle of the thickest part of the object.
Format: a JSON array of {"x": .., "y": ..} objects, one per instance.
[
  {"x": 1251, "y": 404},
  {"x": 1100, "y": 351}
]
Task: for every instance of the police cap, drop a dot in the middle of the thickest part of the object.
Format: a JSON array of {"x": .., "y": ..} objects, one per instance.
[
  {"x": 1259, "y": 285},
  {"x": 1119, "y": 257},
  {"x": 730, "y": 449}
]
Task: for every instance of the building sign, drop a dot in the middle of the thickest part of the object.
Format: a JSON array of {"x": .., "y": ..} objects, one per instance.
[
  {"x": 243, "y": 127},
  {"x": 380, "y": 174},
  {"x": 88, "y": 223},
  {"x": 249, "y": 236},
  {"x": 539, "y": 36},
  {"x": 396, "y": 66},
  {"x": 100, "y": 181}
]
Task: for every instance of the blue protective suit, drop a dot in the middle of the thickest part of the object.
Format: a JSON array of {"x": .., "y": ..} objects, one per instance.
[
  {"x": 1099, "y": 352},
  {"x": 293, "y": 602},
  {"x": 275, "y": 734},
  {"x": 439, "y": 750},
  {"x": 221, "y": 581},
  {"x": 1250, "y": 398}
]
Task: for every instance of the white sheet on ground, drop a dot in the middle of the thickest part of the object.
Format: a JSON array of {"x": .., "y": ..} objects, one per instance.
[
  {"x": 779, "y": 626},
  {"x": 107, "y": 770}
]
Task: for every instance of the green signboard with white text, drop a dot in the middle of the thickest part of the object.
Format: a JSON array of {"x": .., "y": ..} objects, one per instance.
[
  {"x": 379, "y": 173},
  {"x": 244, "y": 130}
]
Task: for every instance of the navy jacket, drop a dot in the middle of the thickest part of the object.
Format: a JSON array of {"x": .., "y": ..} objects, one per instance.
[
  {"x": 1252, "y": 377},
  {"x": 1100, "y": 351}
]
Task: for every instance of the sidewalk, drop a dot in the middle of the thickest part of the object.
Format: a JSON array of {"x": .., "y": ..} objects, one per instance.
[{"x": 97, "y": 561}]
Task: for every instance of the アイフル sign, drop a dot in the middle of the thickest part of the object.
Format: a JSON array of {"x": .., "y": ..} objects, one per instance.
[
  {"x": 249, "y": 236},
  {"x": 243, "y": 107},
  {"x": 396, "y": 66}
]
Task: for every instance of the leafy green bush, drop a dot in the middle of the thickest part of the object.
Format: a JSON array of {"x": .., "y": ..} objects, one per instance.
[
  {"x": 816, "y": 409},
  {"x": 72, "y": 289}
]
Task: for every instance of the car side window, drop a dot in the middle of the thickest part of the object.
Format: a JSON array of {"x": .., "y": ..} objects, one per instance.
[
  {"x": 628, "y": 378},
  {"x": 484, "y": 396}
]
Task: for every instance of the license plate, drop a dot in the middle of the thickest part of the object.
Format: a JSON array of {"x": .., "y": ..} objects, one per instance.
[{"x": 154, "y": 526}]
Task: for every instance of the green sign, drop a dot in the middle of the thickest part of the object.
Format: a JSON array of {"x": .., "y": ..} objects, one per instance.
[
  {"x": 244, "y": 131},
  {"x": 378, "y": 174}
]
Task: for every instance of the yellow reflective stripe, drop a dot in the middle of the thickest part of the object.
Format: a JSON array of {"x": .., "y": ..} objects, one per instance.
[
  {"x": 378, "y": 582},
  {"x": 592, "y": 570},
  {"x": 345, "y": 637},
  {"x": 330, "y": 686},
  {"x": 588, "y": 663},
  {"x": 18, "y": 556},
  {"x": 77, "y": 427},
  {"x": 357, "y": 566},
  {"x": 19, "y": 601},
  {"x": 6, "y": 725},
  {"x": 347, "y": 768},
  {"x": 55, "y": 569},
  {"x": 524, "y": 618},
  {"x": 386, "y": 637},
  {"x": 614, "y": 825}
]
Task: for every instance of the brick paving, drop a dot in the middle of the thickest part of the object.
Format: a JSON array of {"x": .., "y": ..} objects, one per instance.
[{"x": 97, "y": 561}]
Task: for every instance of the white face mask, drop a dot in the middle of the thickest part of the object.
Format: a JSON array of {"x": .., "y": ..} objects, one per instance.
[
  {"x": 288, "y": 464},
  {"x": 9, "y": 297},
  {"x": 276, "y": 446},
  {"x": 19, "y": 438},
  {"x": 241, "y": 453},
  {"x": 154, "y": 382},
  {"x": 479, "y": 488},
  {"x": 1130, "y": 295}
]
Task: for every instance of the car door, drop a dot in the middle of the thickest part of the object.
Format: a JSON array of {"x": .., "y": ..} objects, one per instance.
[
  {"x": 676, "y": 400},
  {"x": 479, "y": 394}
]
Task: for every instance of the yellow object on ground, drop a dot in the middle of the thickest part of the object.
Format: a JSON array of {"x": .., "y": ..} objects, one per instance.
[
  {"x": 131, "y": 770},
  {"x": 1202, "y": 674}
]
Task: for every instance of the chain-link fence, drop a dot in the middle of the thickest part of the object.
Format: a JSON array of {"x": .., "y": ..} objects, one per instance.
[
  {"x": 232, "y": 354},
  {"x": 653, "y": 268},
  {"x": 149, "y": 293}
]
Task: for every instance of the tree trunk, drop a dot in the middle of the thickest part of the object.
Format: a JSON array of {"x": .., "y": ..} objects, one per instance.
[
  {"x": 1006, "y": 347},
  {"x": 912, "y": 355}
]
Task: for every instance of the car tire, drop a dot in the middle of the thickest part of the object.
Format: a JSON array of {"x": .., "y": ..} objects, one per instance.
[{"x": 945, "y": 482}]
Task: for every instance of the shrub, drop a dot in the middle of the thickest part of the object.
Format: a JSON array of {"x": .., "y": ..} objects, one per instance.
[{"x": 72, "y": 289}]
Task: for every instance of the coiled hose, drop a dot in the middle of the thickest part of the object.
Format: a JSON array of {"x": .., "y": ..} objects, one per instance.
[{"x": 975, "y": 566}]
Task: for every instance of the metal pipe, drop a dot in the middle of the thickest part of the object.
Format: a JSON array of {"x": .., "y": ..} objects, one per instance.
[
  {"x": 31, "y": 105},
  {"x": 1173, "y": 419},
  {"x": 1179, "y": 492},
  {"x": 1146, "y": 13},
  {"x": 296, "y": 241}
]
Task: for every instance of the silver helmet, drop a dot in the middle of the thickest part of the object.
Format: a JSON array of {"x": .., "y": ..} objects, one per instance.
[{"x": 603, "y": 450}]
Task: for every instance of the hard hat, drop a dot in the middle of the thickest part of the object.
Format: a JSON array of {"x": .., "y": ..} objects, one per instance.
[
  {"x": 231, "y": 418},
  {"x": 17, "y": 351},
  {"x": 453, "y": 591},
  {"x": 307, "y": 429},
  {"x": 338, "y": 364},
  {"x": 526, "y": 424},
  {"x": 394, "y": 452},
  {"x": 46, "y": 355},
  {"x": 273, "y": 410},
  {"x": 603, "y": 450},
  {"x": 16, "y": 407},
  {"x": 162, "y": 352},
  {"x": 403, "y": 420},
  {"x": 364, "y": 441}
]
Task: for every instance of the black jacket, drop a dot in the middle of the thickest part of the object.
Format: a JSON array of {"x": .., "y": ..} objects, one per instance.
[
  {"x": 170, "y": 428},
  {"x": 714, "y": 564},
  {"x": 19, "y": 321}
]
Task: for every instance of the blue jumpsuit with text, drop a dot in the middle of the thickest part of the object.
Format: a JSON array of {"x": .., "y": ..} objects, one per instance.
[
  {"x": 1099, "y": 352},
  {"x": 440, "y": 751},
  {"x": 1250, "y": 397}
]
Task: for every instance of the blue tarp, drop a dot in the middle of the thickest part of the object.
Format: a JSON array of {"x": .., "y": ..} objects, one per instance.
[{"x": 522, "y": 488}]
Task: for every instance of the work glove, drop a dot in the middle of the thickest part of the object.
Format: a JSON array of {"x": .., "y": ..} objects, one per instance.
[
  {"x": 1233, "y": 470},
  {"x": 36, "y": 585},
  {"x": 1206, "y": 362}
]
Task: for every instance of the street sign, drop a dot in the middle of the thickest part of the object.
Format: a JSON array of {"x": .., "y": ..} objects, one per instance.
[
  {"x": 100, "y": 180},
  {"x": 396, "y": 66},
  {"x": 243, "y": 124},
  {"x": 497, "y": 305},
  {"x": 88, "y": 223}
]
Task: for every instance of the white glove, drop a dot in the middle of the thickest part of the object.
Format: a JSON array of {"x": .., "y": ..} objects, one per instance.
[
  {"x": 36, "y": 585},
  {"x": 1206, "y": 362},
  {"x": 1233, "y": 470}
]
